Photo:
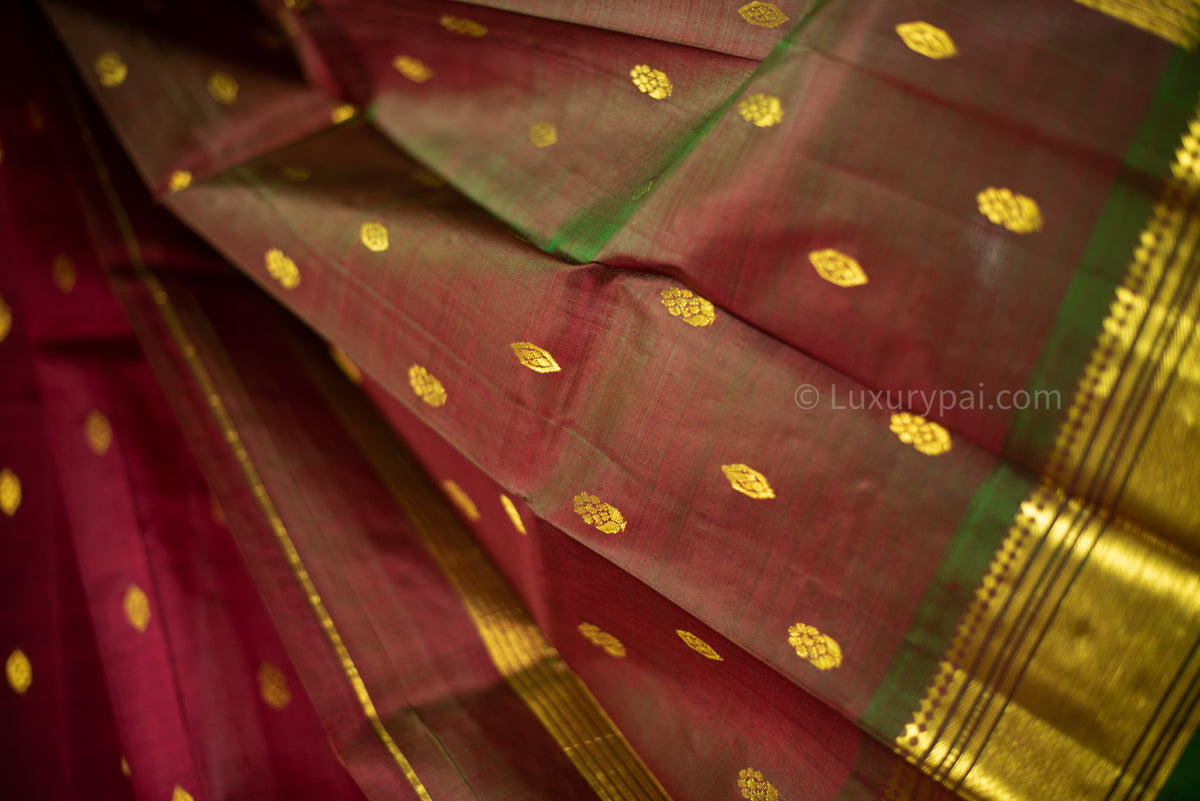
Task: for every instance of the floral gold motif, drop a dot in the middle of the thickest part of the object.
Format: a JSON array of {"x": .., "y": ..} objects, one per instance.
[
  {"x": 374, "y": 236},
  {"x": 651, "y": 81},
  {"x": 928, "y": 40},
  {"x": 62, "y": 271},
  {"x": 426, "y": 387},
  {"x": 820, "y": 649},
  {"x": 180, "y": 180},
  {"x": 273, "y": 686},
  {"x": 748, "y": 481},
  {"x": 464, "y": 27},
  {"x": 600, "y": 638},
  {"x": 137, "y": 607},
  {"x": 180, "y": 794},
  {"x": 754, "y": 787},
  {"x": 694, "y": 309},
  {"x": 536, "y": 359},
  {"x": 222, "y": 87},
  {"x": 837, "y": 268},
  {"x": 928, "y": 438},
  {"x": 1017, "y": 213},
  {"x": 764, "y": 15},
  {"x": 111, "y": 69},
  {"x": 603, "y": 516},
  {"x": 543, "y": 134},
  {"x": 461, "y": 499},
  {"x": 698, "y": 645},
  {"x": 19, "y": 671},
  {"x": 282, "y": 269},
  {"x": 345, "y": 111},
  {"x": 412, "y": 68},
  {"x": 98, "y": 432},
  {"x": 5, "y": 320},
  {"x": 10, "y": 492},
  {"x": 346, "y": 364},
  {"x": 514, "y": 515},
  {"x": 762, "y": 110}
]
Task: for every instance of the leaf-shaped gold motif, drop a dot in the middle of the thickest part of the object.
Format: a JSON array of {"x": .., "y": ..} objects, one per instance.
[
  {"x": 10, "y": 492},
  {"x": 412, "y": 68},
  {"x": 514, "y": 515},
  {"x": 426, "y": 387},
  {"x": 698, "y": 645},
  {"x": 603, "y": 516},
  {"x": 928, "y": 40},
  {"x": 1017, "y": 213},
  {"x": 837, "y": 268},
  {"x": 180, "y": 180},
  {"x": 463, "y": 27},
  {"x": 98, "y": 432},
  {"x": 222, "y": 87},
  {"x": 929, "y": 438},
  {"x": 111, "y": 69},
  {"x": 62, "y": 271},
  {"x": 762, "y": 110},
  {"x": 693, "y": 309},
  {"x": 764, "y": 15},
  {"x": 273, "y": 686},
  {"x": 536, "y": 359},
  {"x": 748, "y": 481},
  {"x": 346, "y": 364},
  {"x": 819, "y": 649},
  {"x": 602, "y": 639},
  {"x": 543, "y": 134},
  {"x": 374, "y": 236},
  {"x": 137, "y": 607},
  {"x": 282, "y": 269},
  {"x": 5, "y": 319},
  {"x": 651, "y": 81},
  {"x": 461, "y": 499},
  {"x": 756, "y": 788},
  {"x": 19, "y": 671},
  {"x": 180, "y": 794}
]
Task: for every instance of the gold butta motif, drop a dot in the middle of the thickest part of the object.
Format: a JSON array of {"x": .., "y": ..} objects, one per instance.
[
  {"x": 374, "y": 236},
  {"x": 412, "y": 68},
  {"x": 426, "y": 386},
  {"x": 273, "y": 686},
  {"x": 764, "y": 15},
  {"x": 463, "y": 27},
  {"x": 180, "y": 180},
  {"x": 698, "y": 645},
  {"x": 513, "y": 513},
  {"x": 180, "y": 794},
  {"x": 748, "y": 481},
  {"x": 111, "y": 69},
  {"x": 928, "y": 438},
  {"x": 543, "y": 134},
  {"x": 602, "y": 639},
  {"x": 10, "y": 492},
  {"x": 693, "y": 309},
  {"x": 837, "y": 268},
  {"x": 98, "y": 432},
  {"x": 461, "y": 499},
  {"x": 755, "y": 787},
  {"x": 651, "y": 81},
  {"x": 928, "y": 40},
  {"x": 1017, "y": 213},
  {"x": 762, "y": 110},
  {"x": 222, "y": 87},
  {"x": 137, "y": 607},
  {"x": 535, "y": 358},
  {"x": 604, "y": 517},
  {"x": 343, "y": 112},
  {"x": 820, "y": 649},
  {"x": 19, "y": 671},
  {"x": 282, "y": 269}
]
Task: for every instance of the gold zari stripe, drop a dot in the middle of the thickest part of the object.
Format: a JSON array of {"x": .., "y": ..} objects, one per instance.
[{"x": 1173, "y": 20}]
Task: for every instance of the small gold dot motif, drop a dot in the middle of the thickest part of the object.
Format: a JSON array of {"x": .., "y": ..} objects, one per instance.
[
  {"x": 111, "y": 69},
  {"x": 125, "y": 768},
  {"x": 690, "y": 307},
  {"x": 748, "y": 481},
  {"x": 180, "y": 794},
  {"x": 461, "y": 499},
  {"x": 754, "y": 787},
  {"x": 273, "y": 686},
  {"x": 928, "y": 438},
  {"x": 1017, "y": 213},
  {"x": 596, "y": 513},
  {"x": 463, "y": 27},
  {"x": 837, "y": 268},
  {"x": 19, "y": 671},
  {"x": 820, "y": 649},
  {"x": 10, "y": 492},
  {"x": 412, "y": 68},
  {"x": 5, "y": 320},
  {"x": 282, "y": 269},
  {"x": 514, "y": 515},
  {"x": 651, "y": 81},
  {"x": 346, "y": 364},
  {"x": 137, "y": 607},
  {"x": 426, "y": 387},
  {"x": 296, "y": 173},
  {"x": 602, "y": 639},
  {"x": 698, "y": 645},
  {"x": 222, "y": 87},
  {"x": 180, "y": 180},
  {"x": 536, "y": 359},
  {"x": 762, "y": 110},
  {"x": 62, "y": 271},
  {"x": 928, "y": 40},
  {"x": 543, "y": 134},
  {"x": 764, "y": 15},
  {"x": 98, "y": 432},
  {"x": 374, "y": 236}
]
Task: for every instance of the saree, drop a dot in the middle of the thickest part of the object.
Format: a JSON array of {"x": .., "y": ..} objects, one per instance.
[{"x": 616, "y": 400}]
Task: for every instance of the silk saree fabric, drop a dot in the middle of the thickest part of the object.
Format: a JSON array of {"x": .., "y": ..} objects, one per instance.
[{"x": 676, "y": 448}]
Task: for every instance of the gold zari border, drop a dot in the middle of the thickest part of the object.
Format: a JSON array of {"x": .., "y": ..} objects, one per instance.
[
  {"x": 1173, "y": 20},
  {"x": 1057, "y": 685}
]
